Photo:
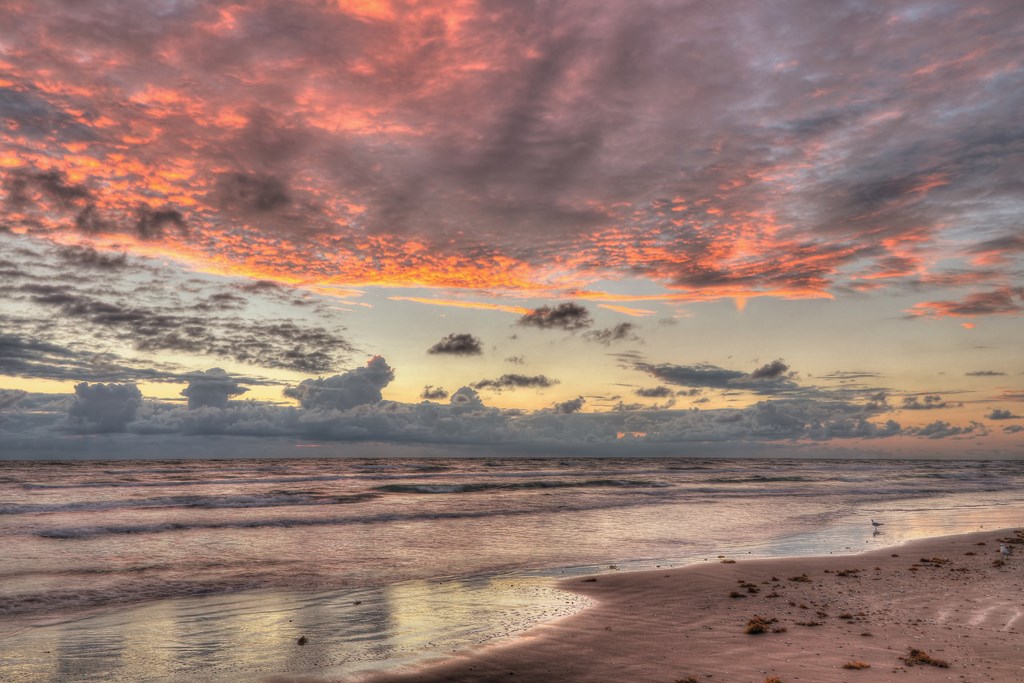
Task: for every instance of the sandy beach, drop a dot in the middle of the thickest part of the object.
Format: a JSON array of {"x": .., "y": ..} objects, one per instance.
[{"x": 943, "y": 609}]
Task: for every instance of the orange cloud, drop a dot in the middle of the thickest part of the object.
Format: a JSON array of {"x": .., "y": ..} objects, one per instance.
[
  {"x": 479, "y": 305},
  {"x": 635, "y": 312},
  {"x": 368, "y": 9}
]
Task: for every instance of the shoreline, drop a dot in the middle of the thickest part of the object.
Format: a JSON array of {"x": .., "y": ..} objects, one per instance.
[{"x": 824, "y": 615}]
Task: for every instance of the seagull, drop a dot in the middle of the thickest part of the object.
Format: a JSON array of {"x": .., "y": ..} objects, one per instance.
[
  {"x": 1004, "y": 551},
  {"x": 875, "y": 524}
]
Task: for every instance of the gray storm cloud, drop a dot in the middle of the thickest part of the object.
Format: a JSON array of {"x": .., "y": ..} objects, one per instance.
[
  {"x": 771, "y": 378},
  {"x": 457, "y": 344},
  {"x": 342, "y": 392},
  {"x": 105, "y": 407},
  {"x": 466, "y": 399},
  {"x": 432, "y": 393},
  {"x": 620, "y": 332},
  {"x": 10, "y": 397},
  {"x": 212, "y": 388},
  {"x": 571, "y": 406},
  {"x": 516, "y": 381},
  {"x": 567, "y": 316}
]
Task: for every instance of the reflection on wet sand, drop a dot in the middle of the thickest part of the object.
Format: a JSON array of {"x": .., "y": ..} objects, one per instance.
[{"x": 253, "y": 635}]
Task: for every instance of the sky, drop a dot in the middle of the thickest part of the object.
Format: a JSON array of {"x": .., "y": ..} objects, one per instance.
[{"x": 679, "y": 227}]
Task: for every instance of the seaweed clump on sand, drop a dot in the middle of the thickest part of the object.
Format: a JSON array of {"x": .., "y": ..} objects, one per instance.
[
  {"x": 759, "y": 624},
  {"x": 916, "y": 657}
]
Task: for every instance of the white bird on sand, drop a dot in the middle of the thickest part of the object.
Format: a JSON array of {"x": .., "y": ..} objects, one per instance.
[
  {"x": 1004, "y": 551},
  {"x": 875, "y": 524}
]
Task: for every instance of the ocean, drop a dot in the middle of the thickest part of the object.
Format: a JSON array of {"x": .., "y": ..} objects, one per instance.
[{"x": 213, "y": 570}]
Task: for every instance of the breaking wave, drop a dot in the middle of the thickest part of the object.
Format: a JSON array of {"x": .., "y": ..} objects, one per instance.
[
  {"x": 94, "y": 531},
  {"x": 255, "y": 500}
]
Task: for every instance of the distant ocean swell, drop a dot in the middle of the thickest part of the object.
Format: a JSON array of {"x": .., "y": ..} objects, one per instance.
[
  {"x": 84, "y": 532},
  {"x": 265, "y": 500},
  {"x": 722, "y": 487},
  {"x": 130, "y": 483}
]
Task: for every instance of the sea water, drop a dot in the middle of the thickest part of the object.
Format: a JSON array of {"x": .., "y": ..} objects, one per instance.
[{"x": 213, "y": 570}]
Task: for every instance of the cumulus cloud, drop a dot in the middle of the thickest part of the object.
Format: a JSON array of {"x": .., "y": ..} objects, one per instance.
[
  {"x": 212, "y": 388},
  {"x": 985, "y": 373},
  {"x": 700, "y": 375},
  {"x": 466, "y": 420},
  {"x": 776, "y": 368},
  {"x": 770, "y": 420},
  {"x": 239, "y": 418},
  {"x": 458, "y": 344},
  {"x": 929, "y": 402},
  {"x": 773, "y": 377},
  {"x": 999, "y": 414},
  {"x": 571, "y": 406},
  {"x": 469, "y": 420},
  {"x": 566, "y": 316},
  {"x": 342, "y": 392},
  {"x": 659, "y": 391},
  {"x": 515, "y": 360},
  {"x": 466, "y": 399},
  {"x": 432, "y": 393},
  {"x": 515, "y": 381},
  {"x": 620, "y": 332},
  {"x": 940, "y": 429},
  {"x": 105, "y": 407},
  {"x": 10, "y": 397}
]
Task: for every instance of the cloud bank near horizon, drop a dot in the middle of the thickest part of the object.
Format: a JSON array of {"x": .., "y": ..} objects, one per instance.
[{"x": 350, "y": 408}]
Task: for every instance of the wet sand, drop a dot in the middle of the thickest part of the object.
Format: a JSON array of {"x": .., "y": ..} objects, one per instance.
[{"x": 952, "y": 599}]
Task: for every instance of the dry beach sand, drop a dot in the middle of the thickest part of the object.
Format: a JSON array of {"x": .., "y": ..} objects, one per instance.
[{"x": 950, "y": 597}]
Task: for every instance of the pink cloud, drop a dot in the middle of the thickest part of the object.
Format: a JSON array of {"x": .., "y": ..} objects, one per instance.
[
  {"x": 1003, "y": 301},
  {"x": 500, "y": 147}
]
